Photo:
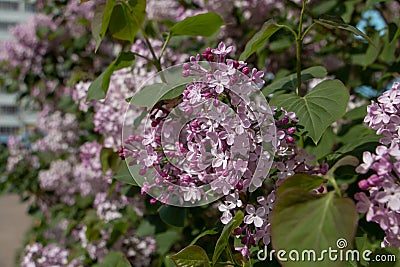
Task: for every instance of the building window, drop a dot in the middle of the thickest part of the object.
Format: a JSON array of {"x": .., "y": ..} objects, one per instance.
[
  {"x": 4, "y": 130},
  {"x": 30, "y": 7},
  {"x": 8, "y": 109},
  {"x": 5, "y": 25},
  {"x": 9, "y": 5}
]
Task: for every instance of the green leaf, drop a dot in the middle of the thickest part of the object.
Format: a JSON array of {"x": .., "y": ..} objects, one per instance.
[
  {"x": 138, "y": 120},
  {"x": 300, "y": 181},
  {"x": 200, "y": 25},
  {"x": 325, "y": 104},
  {"x": 165, "y": 241},
  {"x": 175, "y": 92},
  {"x": 172, "y": 215},
  {"x": 289, "y": 82},
  {"x": 222, "y": 241},
  {"x": 123, "y": 175},
  {"x": 317, "y": 222},
  {"x": 101, "y": 21},
  {"x": 357, "y": 136},
  {"x": 123, "y": 60},
  {"x": 324, "y": 7},
  {"x": 324, "y": 146},
  {"x": 350, "y": 6},
  {"x": 390, "y": 42},
  {"x": 356, "y": 113},
  {"x": 114, "y": 259},
  {"x": 126, "y": 19},
  {"x": 99, "y": 87},
  {"x": 107, "y": 17},
  {"x": 362, "y": 244},
  {"x": 109, "y": 159},
  {"x": 331, "y": 22},
  {"x": 150, "y": 95},
  {"x": 172, "y": 86},
  {"x": 119, "y": 229},
  {"x": 370, "y": 55},
  {"x": 346, "y": 160},
  {"x": 97, "y": 24},
  {"x": 95, "y": 90},
  {"x": 191, "y": 256},
  {"x": 207, "y": 232},
  {"x": 260, "y": 38},
  {"x": 145, "y": 229}
]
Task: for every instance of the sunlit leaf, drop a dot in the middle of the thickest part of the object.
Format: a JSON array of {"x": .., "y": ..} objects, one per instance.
[
  {"x": 325, "y": 104},
  {"x": 303, "y": 221},
  {"x": 259, "y": 39},
  {"x": 193, "y": 256},
  {"x": 200, "y": 25}
]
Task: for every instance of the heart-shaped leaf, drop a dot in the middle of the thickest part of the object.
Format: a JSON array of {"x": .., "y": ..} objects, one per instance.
[
  {"x": 311, "y": 225},
  {"x": 300, "y": 181},
  {"x": 325, "y": 104},
  {"x": 126, "y": 19}
]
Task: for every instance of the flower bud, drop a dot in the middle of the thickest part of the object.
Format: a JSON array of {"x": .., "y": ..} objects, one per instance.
[
  {"x": 237, "y": 231},
  {"x": 289, "y": 139},
  {"x": 291, "y": 130},
  {"x": 363, "y": 184},
  {"x": 374, "y": 180},
  {"x": 239, "y": 185}
]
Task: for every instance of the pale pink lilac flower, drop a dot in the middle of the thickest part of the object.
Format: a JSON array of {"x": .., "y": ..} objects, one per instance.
[{"x": 382, "y": 205}]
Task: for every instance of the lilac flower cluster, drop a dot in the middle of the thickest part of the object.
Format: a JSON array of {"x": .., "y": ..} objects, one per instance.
[
  {"x": 71, "y": 170},
  {"x": 288, "y": 161},
  {"x": 26, "y": 52},
  {"x": 60, "y": 132},
  {"x": 221, "y": 144},
  {"x": 83, "y": 175},
  {"x": 40, "y": 60},
  {"x": 382, "y": 203},
  {"x": 111, "y": 112},
  {"x": 384, "y": 116},
  {"x": 19, "y": 153},
  {"x": 137, "y": 249},
  {"x": 51, "y": 255}
]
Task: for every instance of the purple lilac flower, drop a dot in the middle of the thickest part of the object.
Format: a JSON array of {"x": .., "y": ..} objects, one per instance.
[
  {"x": 37, "y": 255},
  {"x": 382, "y": 204},
  {"x": 216, "y": 148},
  {"x": 288, "y": 161}
]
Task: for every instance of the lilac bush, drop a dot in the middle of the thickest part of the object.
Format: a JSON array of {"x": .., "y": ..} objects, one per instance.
[{"x": 205, "y": 170}]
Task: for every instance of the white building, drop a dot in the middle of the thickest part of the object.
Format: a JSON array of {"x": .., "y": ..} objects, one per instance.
[
  {"x": 12, "y": 119},
  {"x": 11, "y": 13}
]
